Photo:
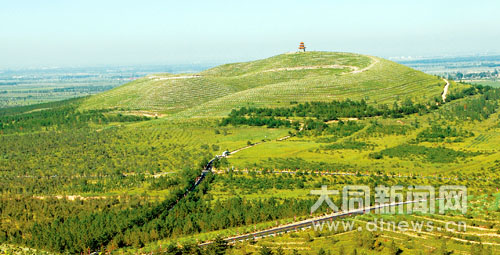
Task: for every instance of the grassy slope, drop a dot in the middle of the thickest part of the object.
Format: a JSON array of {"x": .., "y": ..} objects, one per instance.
[
  {"x": 485, "y": 140},
  {"x": 220, "y": 89},
  {"x": 384, "y": 83}
]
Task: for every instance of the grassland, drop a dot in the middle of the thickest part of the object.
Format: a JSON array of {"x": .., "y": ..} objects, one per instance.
[{"x": 275, "y": 81}]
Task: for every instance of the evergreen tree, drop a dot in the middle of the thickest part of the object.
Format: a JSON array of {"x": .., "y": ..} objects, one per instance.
[
  {"x": 280, "y": 251},
  {"x": 341, "y": 250},
  {"x": 443, "y": 249},
  {"x": 264, "y": 250},
  {"x": 218, "y": 247}
]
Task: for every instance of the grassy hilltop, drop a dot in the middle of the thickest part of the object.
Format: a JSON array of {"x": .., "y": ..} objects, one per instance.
[{"x": 275, "y": 81}]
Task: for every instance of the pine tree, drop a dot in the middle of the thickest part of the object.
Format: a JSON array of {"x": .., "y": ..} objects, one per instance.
[
  {"x": 280, "y": 251},
  {"x": 264, "y": 250},
  {"x": 218, "y": 247},
  {"x": 341, "y": 250},
  {"x": 443, "y": 250}
]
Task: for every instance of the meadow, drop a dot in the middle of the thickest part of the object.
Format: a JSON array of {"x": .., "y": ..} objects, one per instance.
[{"x": 268, "y": 82}]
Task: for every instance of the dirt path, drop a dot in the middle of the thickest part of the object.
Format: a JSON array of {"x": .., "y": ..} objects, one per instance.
[
  {"x": 156, "y": 78},
  {"x": 374, "y": 62},
  {"x": 445, "y": 90},
  {"x": 240, "y": 149},
  {"x": 252, "y": 145},
  {"x": 310, "y": 68},
  {"x": 354, "y": 69},
  {"x": 70, "y": 197}
]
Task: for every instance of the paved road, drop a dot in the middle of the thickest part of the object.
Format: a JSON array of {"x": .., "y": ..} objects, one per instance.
[{"x": 308, "y": 223}]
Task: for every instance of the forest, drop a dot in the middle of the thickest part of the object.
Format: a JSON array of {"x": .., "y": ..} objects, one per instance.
[
  {"x": 58, "y": 116},
  {"x": 100, "y": 224},
  {"x": 130, "y": 181}
]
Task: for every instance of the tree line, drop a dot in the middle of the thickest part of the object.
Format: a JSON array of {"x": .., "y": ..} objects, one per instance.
[
  {"x": 318, "y": 112},
  {"x": 61, "y": 116}
]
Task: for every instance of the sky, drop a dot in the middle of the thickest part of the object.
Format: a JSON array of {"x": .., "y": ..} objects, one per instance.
[{"x": 63, "y": 33}]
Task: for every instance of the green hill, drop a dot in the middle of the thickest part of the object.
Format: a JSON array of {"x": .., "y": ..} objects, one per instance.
[
  {"x": 77, "y": 180},
  {"x": 274, "y": 81}
]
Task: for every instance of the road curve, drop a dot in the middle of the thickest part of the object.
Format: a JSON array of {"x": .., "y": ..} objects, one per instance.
[
  {"x": 374, "y": 62},
  {"x": 445, "y": 90}
]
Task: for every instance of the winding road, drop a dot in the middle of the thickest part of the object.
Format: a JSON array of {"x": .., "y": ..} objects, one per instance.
[
  {"x": 209, "y": 166},
  {"x": 309, "y": 222},
  {"x": 445, "y": 90},
  {"x": 354, "y": 70}
]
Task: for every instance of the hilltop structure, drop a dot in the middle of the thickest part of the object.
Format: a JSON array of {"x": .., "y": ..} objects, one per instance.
[{"x": 302, "y": 48}]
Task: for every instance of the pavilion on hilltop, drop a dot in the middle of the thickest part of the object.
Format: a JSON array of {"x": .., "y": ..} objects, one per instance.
[{"x": 302, "y": 47}]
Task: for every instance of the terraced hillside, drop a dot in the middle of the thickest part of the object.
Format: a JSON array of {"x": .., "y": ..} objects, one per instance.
[
  {"x": 121, "y": 180},
  {"x": 274, "y": 81}
]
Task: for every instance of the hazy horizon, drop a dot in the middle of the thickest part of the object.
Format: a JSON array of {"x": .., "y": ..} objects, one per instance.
[{"x": 122, "y": 33}]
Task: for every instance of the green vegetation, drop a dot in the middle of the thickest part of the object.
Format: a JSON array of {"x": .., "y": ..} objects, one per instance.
[
  {"x": 335, "y": 131},
  {"x": 435, "y": 155},
  {"x": 320, "y": 110},
  {"x": 313, "y": 76},
  {"x": 103, "y": 173},
  {"x": 78, "y": 171},
  {"x": 60, "y": 117},
  {"x": 376, "y": 128},
  {"x": 254, "y": 187},
  {"x": 438, "y": 134},
  {"x": 347, "y": 145}
]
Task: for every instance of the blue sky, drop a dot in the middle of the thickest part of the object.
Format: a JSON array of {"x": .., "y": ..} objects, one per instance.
[{"x": 109, "y": 32}]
